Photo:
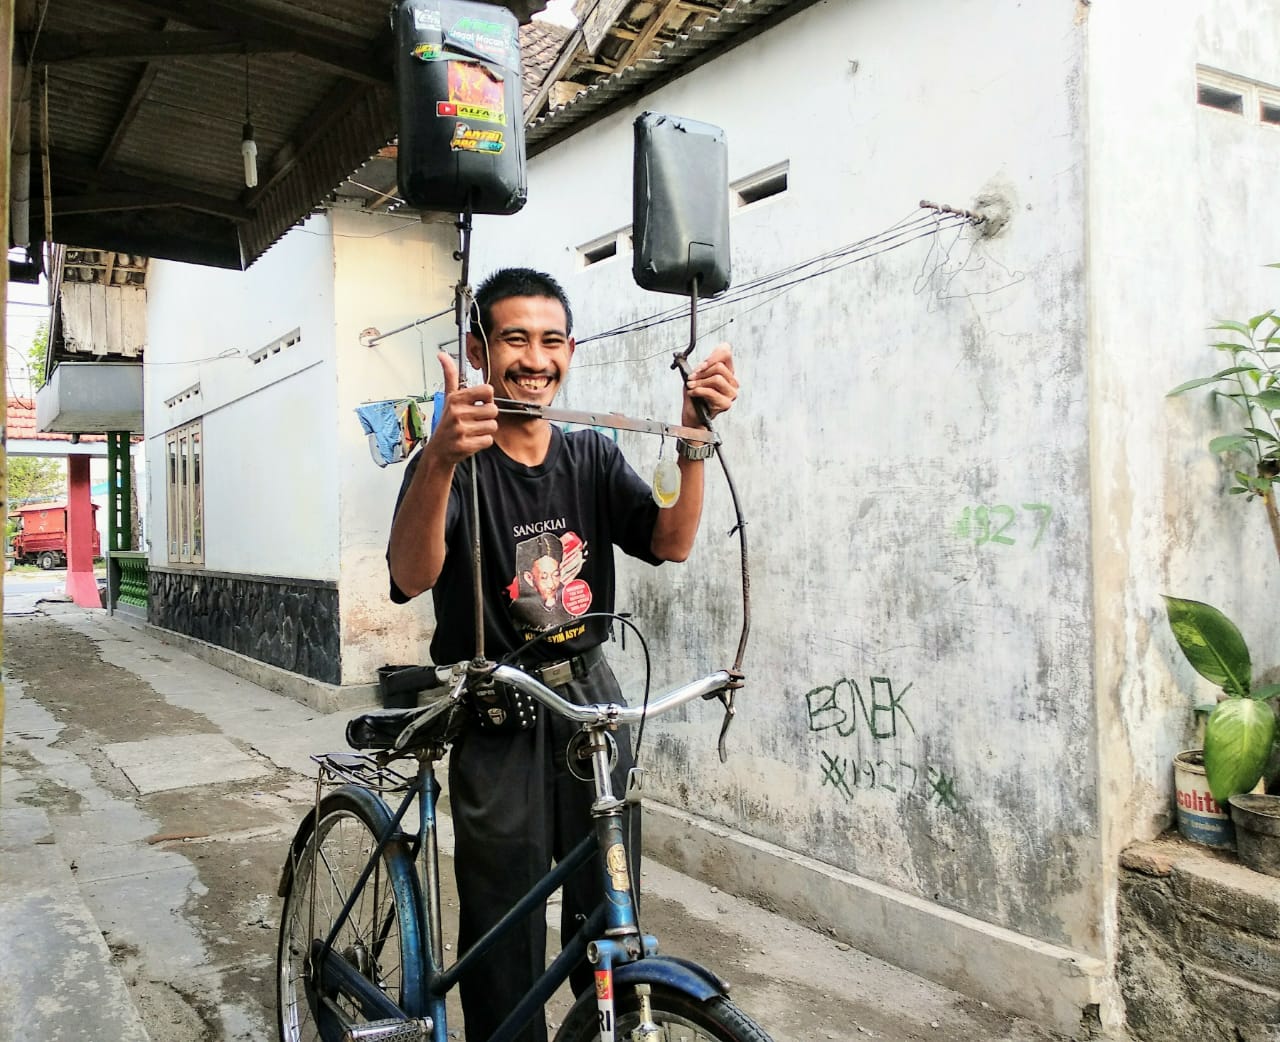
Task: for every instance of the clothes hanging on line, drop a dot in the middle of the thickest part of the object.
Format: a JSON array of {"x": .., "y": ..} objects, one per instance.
[{"x": 396, "y": 426}]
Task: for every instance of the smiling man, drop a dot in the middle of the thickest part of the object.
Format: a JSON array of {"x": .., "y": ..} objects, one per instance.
[{"x": 568, "y": 499}]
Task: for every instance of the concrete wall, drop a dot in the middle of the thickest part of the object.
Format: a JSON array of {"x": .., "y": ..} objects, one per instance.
[
  {"x": 290, "y": 487},
  {"x": 912, "y": 449},
  {"x": 1180, "y": 221},
  {"x": 388, "y": 272},
  {"x": 270, "y": 492}
]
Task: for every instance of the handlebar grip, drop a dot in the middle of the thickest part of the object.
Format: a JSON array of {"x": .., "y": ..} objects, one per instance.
[{"x": 403, "y": 680}]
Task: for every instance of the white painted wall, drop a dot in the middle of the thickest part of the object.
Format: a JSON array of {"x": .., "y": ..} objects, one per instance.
[
  {"x": 291, "y": 489},
  {"x": 388, "y": 272},
  {"x": 880, "y": 403},
  {"x": 270, "y": 491}
]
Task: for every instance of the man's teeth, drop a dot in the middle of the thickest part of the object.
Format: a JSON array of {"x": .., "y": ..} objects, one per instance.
[{"x": 533, "y": 383}]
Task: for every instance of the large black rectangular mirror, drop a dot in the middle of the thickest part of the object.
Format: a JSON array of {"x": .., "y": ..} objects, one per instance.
[
  {"x": 680, "y": 205},
  {"x": 459, "y": 100}
]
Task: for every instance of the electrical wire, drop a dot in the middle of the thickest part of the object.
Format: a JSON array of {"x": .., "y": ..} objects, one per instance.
[
  {"x": 904, "y": 231},
  {"x": 773, "y": 284},
  {"x": 230, "y": 352},
  {"x": 510, "y": 659}
]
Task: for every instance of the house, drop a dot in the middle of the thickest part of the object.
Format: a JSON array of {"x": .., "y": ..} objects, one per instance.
[{"x": 965, "y": 487}]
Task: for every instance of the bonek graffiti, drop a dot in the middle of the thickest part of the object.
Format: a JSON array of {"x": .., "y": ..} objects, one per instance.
[{"x": 843, "y": 709}]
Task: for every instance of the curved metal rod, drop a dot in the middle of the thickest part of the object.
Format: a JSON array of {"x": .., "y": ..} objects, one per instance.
[{"x": 680, "y": 362}]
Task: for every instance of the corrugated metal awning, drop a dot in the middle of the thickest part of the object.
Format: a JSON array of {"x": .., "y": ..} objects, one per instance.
[{"x": 142, "y": 103}]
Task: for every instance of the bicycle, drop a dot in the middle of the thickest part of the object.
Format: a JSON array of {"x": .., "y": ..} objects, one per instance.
[{"x": 360, "y": 955}]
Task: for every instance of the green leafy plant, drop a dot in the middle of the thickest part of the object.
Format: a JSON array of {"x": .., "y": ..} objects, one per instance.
[
  {"x": 1241, "y": 727},
  {"x": 1251, "y": 384},
  {"x": 36, "y": 355}
]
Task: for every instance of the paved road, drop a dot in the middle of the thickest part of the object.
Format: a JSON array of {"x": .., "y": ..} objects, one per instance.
[
  {"x": 24, "y": 590},
  {"x": 147, "y": 798}
]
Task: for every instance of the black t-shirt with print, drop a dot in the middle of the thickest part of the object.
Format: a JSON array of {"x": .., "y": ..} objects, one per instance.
[{"x": 547, "y": 535}]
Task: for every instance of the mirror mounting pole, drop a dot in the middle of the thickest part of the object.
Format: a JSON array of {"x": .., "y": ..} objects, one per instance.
[
  {"x": 463, "y": 302},
  {"x": 680, "y": 362}
]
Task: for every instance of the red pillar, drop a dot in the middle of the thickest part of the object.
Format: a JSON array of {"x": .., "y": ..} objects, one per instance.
[{"x": 82, "y": 587}]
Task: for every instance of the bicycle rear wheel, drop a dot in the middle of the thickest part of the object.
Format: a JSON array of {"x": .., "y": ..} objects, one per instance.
[
  {"x": 380, "y": 937},
  {"x": 680, "y": 1018}
]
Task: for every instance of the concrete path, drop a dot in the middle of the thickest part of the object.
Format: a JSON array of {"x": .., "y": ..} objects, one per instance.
[{"x": 146, "y": 803}]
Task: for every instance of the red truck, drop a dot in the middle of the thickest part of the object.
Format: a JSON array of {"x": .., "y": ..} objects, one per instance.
[{"x": 41, "y": 537}]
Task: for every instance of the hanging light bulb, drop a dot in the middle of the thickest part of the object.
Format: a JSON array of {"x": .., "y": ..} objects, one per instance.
[
  {"x": 248, "y": 147},
  {"x": 249, "y": 153}
]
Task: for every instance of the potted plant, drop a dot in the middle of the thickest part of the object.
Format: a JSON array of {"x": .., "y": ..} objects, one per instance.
[
  {"x": 1251, "y": 385},
  {"x": 1240, "y": 731}
]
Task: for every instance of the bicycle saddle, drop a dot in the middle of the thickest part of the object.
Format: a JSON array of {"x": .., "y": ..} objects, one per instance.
[{"x": 380, "y": 728}]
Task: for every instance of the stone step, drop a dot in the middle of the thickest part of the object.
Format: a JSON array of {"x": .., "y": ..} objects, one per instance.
[{"x": 61, "y": 984}]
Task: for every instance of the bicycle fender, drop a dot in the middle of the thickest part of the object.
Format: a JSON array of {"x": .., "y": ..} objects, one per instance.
[
  {"x": 370, "y": 802},
  {"x": 677, "y": 974}
]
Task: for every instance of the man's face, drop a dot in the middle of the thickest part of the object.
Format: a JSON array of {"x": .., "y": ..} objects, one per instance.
[
  {"x": 544, "y": 577},
  {"x": 528, "y": 352}
]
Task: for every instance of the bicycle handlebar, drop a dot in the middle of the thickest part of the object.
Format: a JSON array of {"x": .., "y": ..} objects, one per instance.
[
  {"x": 611, "y": 712},
  {"x": 596, "y": 713}
]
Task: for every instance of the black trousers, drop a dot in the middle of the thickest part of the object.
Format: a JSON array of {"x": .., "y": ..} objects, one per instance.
[{"x": 516, "y": 809}]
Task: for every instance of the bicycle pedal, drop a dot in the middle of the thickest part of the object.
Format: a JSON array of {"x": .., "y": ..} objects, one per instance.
[{"x": 389, "y": 1031}]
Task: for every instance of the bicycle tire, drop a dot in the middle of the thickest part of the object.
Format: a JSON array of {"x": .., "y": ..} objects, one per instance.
[
  {"x": 382, "y": 934},
  {"x": 676, "y": 1014}
]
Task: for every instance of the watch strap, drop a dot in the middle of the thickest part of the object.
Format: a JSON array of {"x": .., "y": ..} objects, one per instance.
[{"x": 694, "y": 451}]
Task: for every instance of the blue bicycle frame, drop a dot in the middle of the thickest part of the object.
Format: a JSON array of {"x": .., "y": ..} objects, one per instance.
[{"x": 610, "y": 939}]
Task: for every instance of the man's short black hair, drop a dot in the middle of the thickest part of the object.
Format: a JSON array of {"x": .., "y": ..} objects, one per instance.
[{"x": 519, "y": 282}]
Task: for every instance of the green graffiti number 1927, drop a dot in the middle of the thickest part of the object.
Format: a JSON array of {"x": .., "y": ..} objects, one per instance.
[{"x": 997, "y": 524}]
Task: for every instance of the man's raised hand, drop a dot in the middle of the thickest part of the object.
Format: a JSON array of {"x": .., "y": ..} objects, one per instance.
[
  {"x": 469, "y": 419},
  {"x": 712, "y": 383}
]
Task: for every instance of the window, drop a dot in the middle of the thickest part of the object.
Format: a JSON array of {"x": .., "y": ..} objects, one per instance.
[
  {"x": 1257, "y": 102},
  {"x": 603, "y": 248},
  {"x": 763, "y": 184},
  {"x": 184, "y": 494},
  {"x": 1220, "y": 98}
]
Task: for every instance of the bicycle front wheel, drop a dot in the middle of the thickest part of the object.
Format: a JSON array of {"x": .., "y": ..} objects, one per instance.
[
  {"x": 380, "y": 938},
  {"x": 679, "y": 1017}
]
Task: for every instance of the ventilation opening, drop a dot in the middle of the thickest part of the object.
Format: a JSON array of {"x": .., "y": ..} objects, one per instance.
[
  {"x": 1269, "y": 112},
  {"x": 183, "y": 396},
  {"x": 760, "y": 186},
  {"x": 595, "y": 254},
  {"x": 1220, "y": 98},
  {"x": 603, "y": 248},
  {"x": 276, "y": 346}
]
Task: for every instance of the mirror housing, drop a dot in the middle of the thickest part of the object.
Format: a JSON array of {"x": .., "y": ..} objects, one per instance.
[
  {"x": 680, "y": 205},
  {"x": 458, "y": 94}
]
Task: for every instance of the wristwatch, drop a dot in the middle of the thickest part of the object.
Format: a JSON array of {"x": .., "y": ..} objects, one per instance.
[{"x": 693, "y": 450}]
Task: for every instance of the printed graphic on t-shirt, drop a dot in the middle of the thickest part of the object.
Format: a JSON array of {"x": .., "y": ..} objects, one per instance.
[{"x": 546, "y": 593}]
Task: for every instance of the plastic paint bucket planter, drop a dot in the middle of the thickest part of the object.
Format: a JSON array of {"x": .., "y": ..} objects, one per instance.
[{"x": 1200, "y": 818}]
